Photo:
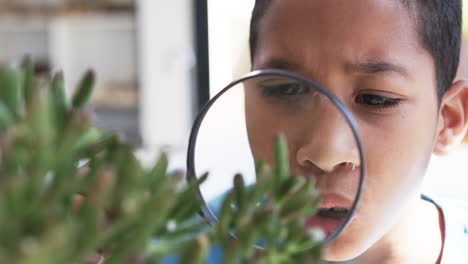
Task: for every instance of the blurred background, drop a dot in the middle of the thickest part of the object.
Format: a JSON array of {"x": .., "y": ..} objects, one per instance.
[{"x": 157, "y": 62}]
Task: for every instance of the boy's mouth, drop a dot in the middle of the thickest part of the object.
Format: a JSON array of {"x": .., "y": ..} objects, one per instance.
[
  {"x": 328, "y": 219},
  {"x": 333, "y": 211},
  {"x": 338, "y": 213}
]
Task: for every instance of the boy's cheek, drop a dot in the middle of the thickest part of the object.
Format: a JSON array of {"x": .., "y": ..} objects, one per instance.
[
  {"x": 397, "y": 154},
  {"x": 396, "y": 159}
]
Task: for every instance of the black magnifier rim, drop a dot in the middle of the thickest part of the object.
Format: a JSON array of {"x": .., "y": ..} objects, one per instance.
[{"x": 191, "y": 174}]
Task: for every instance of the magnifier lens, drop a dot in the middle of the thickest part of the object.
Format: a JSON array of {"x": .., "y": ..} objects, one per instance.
[{"x": 240, "y": 125}]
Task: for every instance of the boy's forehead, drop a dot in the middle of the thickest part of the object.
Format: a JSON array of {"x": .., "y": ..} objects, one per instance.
[
  {"x": 342, "y": 12},
  {"x": 351, "y": 31}
]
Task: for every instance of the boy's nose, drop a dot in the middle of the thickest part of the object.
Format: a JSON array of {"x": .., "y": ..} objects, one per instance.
[{"x": 328, "y": 142}]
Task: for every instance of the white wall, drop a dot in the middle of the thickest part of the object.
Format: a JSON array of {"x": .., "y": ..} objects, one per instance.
[
  {"x": 448, "y": 175},
  {"x": 167, "y": 61},
  {"x": 228, "y": 35},
  {"x": 103, "y": 42},
  {"x": 23, "y": 35}
]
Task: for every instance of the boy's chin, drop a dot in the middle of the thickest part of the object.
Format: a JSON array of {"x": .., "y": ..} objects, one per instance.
[
  {"x": 338, "y": 254},
  {"x": 342, "y": 249}
]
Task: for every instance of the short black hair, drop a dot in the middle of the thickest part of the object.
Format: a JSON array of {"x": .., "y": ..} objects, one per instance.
[{"x": 439, "y": 25}]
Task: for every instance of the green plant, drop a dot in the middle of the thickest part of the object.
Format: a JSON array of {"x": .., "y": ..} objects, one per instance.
[{"x": 68, "y": 191}]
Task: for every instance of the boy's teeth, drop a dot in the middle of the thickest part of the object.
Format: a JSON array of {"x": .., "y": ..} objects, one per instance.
[
  {"x": 334, "y": 212},
  {"x": 339, "y": 209}
]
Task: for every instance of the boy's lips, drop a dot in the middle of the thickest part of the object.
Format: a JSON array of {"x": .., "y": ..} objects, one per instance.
[
  {"x": 330, "y": 222},
  {"x": 330, "y": 200}
]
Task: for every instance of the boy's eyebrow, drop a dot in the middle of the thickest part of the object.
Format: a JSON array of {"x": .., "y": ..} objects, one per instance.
[
  {"x": 378, "y": 66},
  {"x": 280, "y": 64},
  {"x": 370, "y": 67}
]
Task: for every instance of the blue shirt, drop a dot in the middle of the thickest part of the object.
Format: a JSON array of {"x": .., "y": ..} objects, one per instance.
[{"x": 455, "y": 249}]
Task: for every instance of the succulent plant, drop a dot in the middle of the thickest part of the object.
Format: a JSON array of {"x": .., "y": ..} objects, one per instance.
[{"x": 70, "y": 193}]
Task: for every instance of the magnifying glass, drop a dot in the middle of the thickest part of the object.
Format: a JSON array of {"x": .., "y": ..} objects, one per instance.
[{"x": 238, "y": 126}]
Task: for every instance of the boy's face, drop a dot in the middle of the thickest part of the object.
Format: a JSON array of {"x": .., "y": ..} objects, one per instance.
[{"x": 367, "y": 52}]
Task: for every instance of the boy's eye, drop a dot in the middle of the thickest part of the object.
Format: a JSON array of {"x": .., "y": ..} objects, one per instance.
[
  {"x": 377, "y": 101},
  {"x": 283, "y": 89}
]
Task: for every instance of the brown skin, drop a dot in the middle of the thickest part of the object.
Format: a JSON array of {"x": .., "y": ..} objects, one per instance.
[{"x": 330, "y": 42}]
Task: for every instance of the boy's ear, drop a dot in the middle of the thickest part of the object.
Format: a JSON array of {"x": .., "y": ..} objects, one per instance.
[{"x": 453, "y": 118}]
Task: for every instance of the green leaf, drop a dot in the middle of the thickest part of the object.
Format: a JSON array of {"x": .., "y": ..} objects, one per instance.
[
  {"x": 84, "y": 90},
  {"x": 281, "y": 158},
  {"x": 196, "y": 252},
  {"x": 6, "y": 117},
  {"x": 240, "y": 192},
  {"x": 9, "y": 88},
  {"x": 59, "y": 100},
  {"x": 28, "y": 79},
  {"x": 158, "y": 172}
]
